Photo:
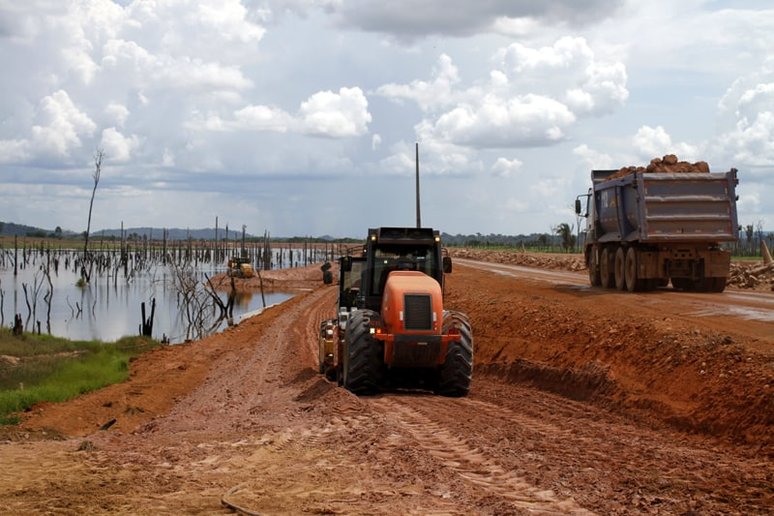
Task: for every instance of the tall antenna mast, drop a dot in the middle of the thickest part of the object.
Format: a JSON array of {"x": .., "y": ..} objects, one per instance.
[{"x": 419, "y": 218}]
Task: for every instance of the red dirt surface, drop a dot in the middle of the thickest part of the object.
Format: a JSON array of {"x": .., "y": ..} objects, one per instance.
[
  {"x": 744, "y": 274},
  {"x": 583, "y": 400}
]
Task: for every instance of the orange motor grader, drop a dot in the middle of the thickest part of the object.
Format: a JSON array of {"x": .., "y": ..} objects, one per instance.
[{"x": 393, "y": 329}]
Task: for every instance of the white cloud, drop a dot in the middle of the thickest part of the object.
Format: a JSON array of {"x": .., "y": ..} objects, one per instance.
[
  {"x": 427, "y": 95},
  {"x": 335, "y": 115},
  {"x": 229, "y": 18},
  {"x": 435, "y": 158},
  {"x": 586, "y": 85},
  {"x": 549, "y": 189},
  {"x": 117, "y": 147},
  {"x": 752, "y": 141},
  {"x": 504, "y": 167},
  {"x": 654, "y": 142},
  {"x": 522, "y": 121},
  {"x": 60, "y": 126},
  {"x": 14, "y": 151},
  {"x": 406, "y": 19},
  {"x": 152, "y": 71},
  {"x": 594, "y": 159},
  {"x": 515, "y": 27},
  {"x": 168, "y": 158},
  {"x": 263, "y": 118},
  {"x": 566, "y": 54},
  {"x": 325, "y": 113},
  {"x": 189, "y": 95},
  {"x": 118, "y": 113},
  {"x": 749, "y": 105},
  {"x": 505, "y": 110}
]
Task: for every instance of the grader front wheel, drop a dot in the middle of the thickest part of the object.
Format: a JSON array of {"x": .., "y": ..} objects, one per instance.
[{"x": 456, "y": 372}]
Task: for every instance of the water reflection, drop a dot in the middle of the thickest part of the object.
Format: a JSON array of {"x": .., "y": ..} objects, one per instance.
[{"x": 108, "y": 309}]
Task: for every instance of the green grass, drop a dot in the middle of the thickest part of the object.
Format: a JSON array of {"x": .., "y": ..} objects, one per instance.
[{"x": 54, "y": 369}]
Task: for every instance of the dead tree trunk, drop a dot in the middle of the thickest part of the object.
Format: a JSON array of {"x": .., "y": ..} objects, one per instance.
[
  {"x": 146, "y": 328},
  {"x": 98, "y": 156}
]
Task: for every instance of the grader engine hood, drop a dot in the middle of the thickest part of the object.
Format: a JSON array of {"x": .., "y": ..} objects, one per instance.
[{"x": 412, "y": 303}]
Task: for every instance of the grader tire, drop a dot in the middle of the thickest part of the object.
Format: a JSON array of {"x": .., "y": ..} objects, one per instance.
[
  {"x": 362, "y": 369},
  {"x": 455, "y": 374}
]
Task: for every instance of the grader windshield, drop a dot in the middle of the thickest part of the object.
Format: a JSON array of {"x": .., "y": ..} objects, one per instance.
[
  {"x": 394, "y": 249},
  {"x": 400, "y": 257}
]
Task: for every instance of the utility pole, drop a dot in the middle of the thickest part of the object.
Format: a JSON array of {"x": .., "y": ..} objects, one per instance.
[{"x": 419, "y": 218}]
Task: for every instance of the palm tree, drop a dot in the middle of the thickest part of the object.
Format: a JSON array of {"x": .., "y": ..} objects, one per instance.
[{"x": 565, "y": 231}]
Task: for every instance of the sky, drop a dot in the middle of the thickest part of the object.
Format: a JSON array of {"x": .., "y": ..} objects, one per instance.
[{"x": 300, "y": 117}]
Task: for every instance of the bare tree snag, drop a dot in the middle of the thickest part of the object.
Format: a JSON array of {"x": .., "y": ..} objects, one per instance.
[{"x": 99, "y": 155}]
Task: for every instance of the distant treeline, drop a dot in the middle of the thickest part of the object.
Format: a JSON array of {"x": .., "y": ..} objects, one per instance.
[
  {"x": 11, "y": 229},
  {"x": 158, "y": 234},
  {"x": 533, "y": 240}
]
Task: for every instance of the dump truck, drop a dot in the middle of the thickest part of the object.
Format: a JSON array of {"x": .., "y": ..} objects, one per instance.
[
  {"x": 393, "y": 328},
  {"x": 646, "y": 228}
]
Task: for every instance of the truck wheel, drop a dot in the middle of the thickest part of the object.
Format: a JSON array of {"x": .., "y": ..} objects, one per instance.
[
  {"x": 605, "y": 272},
  {"x": 455, "y": 374},
  {"x": 362, "y": 360},
  {"x": 595, "y": 278},
  {"x": 620, "y": 269},
  {"x": 718, "y": 284},
  {"x": 633, "y": 282},
  {"x": 681, "y": 283}
]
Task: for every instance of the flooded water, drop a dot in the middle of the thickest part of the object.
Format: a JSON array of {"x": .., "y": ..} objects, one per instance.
[{"x": 109, "y": 307}]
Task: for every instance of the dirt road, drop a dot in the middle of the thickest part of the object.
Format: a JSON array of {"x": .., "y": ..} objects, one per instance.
[{"x": 583, "y": 401}]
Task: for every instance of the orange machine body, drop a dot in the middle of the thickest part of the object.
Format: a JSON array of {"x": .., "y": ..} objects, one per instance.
[{"x": 412, "y": 315}]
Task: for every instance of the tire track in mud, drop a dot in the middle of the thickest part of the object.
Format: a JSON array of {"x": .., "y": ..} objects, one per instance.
[
  {"x": 466, "y": 460},
  {"x": 319, "y": 470}
]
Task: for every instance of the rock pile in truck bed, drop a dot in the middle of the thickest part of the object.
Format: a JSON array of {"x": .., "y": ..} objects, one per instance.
[{"x": 669, "y": 164}]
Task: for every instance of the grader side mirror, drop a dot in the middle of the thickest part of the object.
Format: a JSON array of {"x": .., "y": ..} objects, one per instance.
[
  {"x": 577, "y": 206},
  {"x": 346, "y": 263},
  {"x": 447, "y": 264}
]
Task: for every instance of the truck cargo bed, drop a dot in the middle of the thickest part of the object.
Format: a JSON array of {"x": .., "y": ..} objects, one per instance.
[{"x": 654, "y": 208}]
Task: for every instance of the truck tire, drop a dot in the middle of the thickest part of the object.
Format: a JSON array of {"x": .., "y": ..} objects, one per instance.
[
  {"x": 620, "y": 269},
  {"x": 718, "y": 284},
  {"x": 595, "y": 278},
  {"x": 681, "y": 283},
  {"x": 455, "y": 374},
  {"x": 606, "y": 279},
  {"x": 362, "y": 367},
  {"x": 713, "y": 284},
  {"x": 633, "y": 282}
]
